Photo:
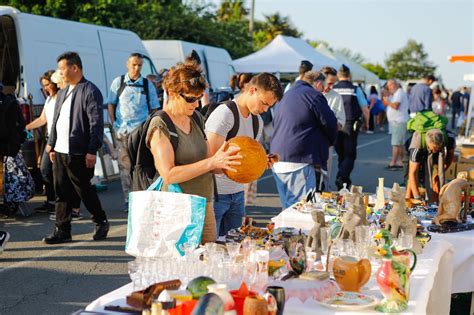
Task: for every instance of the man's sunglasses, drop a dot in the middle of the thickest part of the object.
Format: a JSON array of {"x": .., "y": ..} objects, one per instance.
[{"x": 191, "y": 99}]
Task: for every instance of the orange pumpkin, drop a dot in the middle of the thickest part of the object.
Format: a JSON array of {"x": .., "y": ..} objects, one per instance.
[{"x": 253, "y": 162}]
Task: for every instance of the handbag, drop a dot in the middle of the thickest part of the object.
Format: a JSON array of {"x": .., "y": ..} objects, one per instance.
[
  {"x": 19, "y": 185},
  {"x": 160, "y": 223}
]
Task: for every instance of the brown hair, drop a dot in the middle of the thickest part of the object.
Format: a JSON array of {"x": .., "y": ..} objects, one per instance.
[
  {"x": 268, "y": 82},
  {"x": 185, "y": 78},
  {"x": 239, "y": 80},
  {"x": 327, "y": 70},
  {"x": 47, "y": 76}
]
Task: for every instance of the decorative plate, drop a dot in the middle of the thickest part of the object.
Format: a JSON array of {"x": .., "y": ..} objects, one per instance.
[{"x": 349, "y": 301}]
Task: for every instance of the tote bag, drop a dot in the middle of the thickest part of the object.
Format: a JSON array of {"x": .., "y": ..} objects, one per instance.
[{"x": 160, "y": 223}]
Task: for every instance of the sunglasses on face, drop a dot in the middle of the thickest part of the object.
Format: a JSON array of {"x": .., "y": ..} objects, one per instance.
[{"x": 191, "y": 99}]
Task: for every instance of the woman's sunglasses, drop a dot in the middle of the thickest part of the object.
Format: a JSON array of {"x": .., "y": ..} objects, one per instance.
[
  {"x": 196, "y": 81},
  {"x": 191, "y": 99}
]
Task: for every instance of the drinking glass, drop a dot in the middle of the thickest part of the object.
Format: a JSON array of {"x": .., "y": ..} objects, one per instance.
[
  {"x": 324, "y": 231},
  {"x": 233, "y": 249},
  {"x": 362, "y": 240},
  {"x": 279, "y": 295},
  {"x": 346, "y": 247},
  {"x": 310, "y": 260}
]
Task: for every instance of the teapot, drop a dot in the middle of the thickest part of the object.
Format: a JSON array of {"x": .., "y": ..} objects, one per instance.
[{"x": 350, "y": 273}]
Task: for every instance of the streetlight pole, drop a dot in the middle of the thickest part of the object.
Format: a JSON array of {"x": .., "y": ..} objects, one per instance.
[{"x": 252, "y": 13}]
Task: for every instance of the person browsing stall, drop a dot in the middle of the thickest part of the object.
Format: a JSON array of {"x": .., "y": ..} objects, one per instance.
[{"x": 192, "y": 164}]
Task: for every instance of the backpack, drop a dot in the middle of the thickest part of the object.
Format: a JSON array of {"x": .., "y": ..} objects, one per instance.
[
  {"x": 12, "y": 126},
  {"x": 144, "y": 86},
  {"x": 235, "y": 111},
  {"x": 425, "y": 121},
  {"x": 143, "y": 171}
]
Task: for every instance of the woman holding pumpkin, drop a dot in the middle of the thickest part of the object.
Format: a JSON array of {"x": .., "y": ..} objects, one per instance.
[{"x": 191, "y": 165}]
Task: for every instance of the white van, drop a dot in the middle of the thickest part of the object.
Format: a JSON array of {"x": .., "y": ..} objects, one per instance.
[
  {"x": 216, "y": 62},
  {"x": 30, "y": 44}
]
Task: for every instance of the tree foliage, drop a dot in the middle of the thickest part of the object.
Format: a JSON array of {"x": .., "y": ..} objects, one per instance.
[
  {"x": 409, "y": 62},
  {"x": 274, "y": 24},
  {"x": 378, "y": 69}
]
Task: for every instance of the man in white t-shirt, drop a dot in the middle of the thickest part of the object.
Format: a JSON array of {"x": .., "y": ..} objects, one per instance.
[
  {"x": 262, "y": 92},
  {"x": 397, "y": 116}
]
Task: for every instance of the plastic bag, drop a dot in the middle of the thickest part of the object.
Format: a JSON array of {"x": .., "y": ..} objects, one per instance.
[{"x": 159, "y": 223}]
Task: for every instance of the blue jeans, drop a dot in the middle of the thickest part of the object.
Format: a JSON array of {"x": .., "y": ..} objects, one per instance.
[
  {"x": 229, "y": 211},
  {"x": 294, "y": 186}
]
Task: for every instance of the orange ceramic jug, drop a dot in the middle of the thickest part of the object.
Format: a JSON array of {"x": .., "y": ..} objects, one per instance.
[{"x": 351, "y": 274}]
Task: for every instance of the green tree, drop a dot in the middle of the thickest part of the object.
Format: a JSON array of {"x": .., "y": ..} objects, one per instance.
[
  {"x": 354, "y": 56},
  {"x": 273, "y": 25},
  {"x": 409, "y": 62},
  {"x": 232, "y": 10},
  {"x": 378, "y": 69}
]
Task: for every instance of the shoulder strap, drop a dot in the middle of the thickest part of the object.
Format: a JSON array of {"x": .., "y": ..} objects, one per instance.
[
  {"x": 171, "y": 128},
  {"x": 198, "y": 121},
  {"x": 147, "y": 94},
  {"x": 255, "y": 126},
  {"x": 235, "y": 111},
  {"x": 121, "y": 86}
]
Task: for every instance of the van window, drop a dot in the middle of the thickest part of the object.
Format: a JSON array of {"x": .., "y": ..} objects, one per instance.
[
  {"x": 9, "y": 57},
  {"x": 148, "y": 67}
]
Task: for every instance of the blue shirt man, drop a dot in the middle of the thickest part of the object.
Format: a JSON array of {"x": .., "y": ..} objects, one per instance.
[
  {"x": 421, "y": 96},
  {"x": 131, "y": 108},
  {"x": 128, "y": 109}
]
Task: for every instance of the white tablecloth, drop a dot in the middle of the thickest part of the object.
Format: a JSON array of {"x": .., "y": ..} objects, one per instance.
[
  {"x": 463, "y": 259},
  {"x": 463, "y": 243},
  {"x": 291, "y": 217},
  {"x": 430, "y": 286}
]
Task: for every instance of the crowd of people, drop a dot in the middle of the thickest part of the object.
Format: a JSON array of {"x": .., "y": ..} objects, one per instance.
[{"x": 320, "y": 112}]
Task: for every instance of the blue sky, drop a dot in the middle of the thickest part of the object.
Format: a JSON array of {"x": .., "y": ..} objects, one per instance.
[{"x": 375, "y": 28}]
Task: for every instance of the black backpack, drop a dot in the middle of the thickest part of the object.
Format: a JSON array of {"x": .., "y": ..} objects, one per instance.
[
  {"x": 143, "y": 171},
  {"x": 144, "y": 86},
  {"x": 233, "y": 107},
  {"x": 12, "y": 126}
]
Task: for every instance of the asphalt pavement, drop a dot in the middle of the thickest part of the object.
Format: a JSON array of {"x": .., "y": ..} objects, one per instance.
[{"x": 36, "y": 278}]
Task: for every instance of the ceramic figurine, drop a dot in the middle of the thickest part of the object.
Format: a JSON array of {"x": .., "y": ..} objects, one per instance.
[
  {"x": 450, "y": 200},
  {"x": 295, "y": 249},
  {"x": 393, "y": 276},
  {"x": 313, "y": 240},
  {"x": 351, "y": 219},
  {"x": 380, "y": 201}
]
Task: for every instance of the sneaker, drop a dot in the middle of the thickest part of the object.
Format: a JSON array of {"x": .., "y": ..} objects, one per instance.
[
  {"x": 75, "y": 216},
  {"x": 101, "y": 231},
  {"x": 58, "y": 237},
  {"x": 45, "y": 208},
  {"x": 369, "y": 132},
  {"x": 4, "y": 237}
]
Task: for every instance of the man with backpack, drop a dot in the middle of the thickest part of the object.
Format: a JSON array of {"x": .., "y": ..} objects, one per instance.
[
  {"x": 131, "y": 99},
  {"x": 239, "y": 117},
  {"x": 433, "y": 152}
]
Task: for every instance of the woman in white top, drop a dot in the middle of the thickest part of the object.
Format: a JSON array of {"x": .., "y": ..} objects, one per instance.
[{"x": 51, "y": 82}]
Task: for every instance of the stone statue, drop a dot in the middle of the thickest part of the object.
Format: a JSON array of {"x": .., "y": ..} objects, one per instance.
[
  {"x": 450, "y": 200},
  {"x": 398, "y": 220},
  {"x": 351, "y": 219},
  {"x": 313, "y": 241}
]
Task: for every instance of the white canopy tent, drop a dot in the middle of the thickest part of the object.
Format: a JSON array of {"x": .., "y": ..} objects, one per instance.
[
  {"x": 283, "y": 55},
  {"x": 359, "y": 73}
]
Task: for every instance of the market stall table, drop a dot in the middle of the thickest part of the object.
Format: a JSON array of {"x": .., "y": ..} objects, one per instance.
[{"x": 430, "y": 286}]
